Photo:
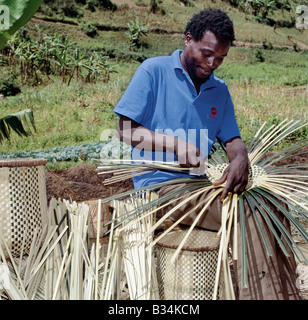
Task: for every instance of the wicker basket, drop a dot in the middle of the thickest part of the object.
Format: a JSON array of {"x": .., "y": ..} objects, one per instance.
[
  {"x": 192, "y": 276},
  {"x": 23, "y": 201}
]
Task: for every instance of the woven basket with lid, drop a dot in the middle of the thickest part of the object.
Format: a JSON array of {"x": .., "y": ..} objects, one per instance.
[{"x": 23, "y": 201}]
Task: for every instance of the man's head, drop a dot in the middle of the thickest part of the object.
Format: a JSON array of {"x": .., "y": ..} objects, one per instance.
[
  {"x": 208, "y": 37},
  {"x": 213, "y": 20}
]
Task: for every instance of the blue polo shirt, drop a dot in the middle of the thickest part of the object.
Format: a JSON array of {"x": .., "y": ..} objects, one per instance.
[{"x": 162, "y": 97}]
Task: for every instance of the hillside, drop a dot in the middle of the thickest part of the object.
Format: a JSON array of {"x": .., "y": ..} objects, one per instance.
[
  {"x": 166, "y": 26},
  {"x": 265, "y": 69}
]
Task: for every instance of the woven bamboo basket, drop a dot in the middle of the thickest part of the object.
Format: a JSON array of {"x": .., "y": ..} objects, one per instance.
[
  {"x": 23, "y": 202},
  {"x": 192, "y": 276}
]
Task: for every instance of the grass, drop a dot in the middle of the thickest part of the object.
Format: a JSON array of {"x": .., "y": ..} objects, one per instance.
[
  {"x": 266, "y": 91},
  {"x": 67, "y": 115},
  {"x": 259, "y": 103},
  {"x": 279, "y": 68},
  {"x": 248, "y": 30}
]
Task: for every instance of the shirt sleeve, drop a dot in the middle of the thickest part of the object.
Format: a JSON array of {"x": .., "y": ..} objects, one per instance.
[
  {"x": 137, "y": 101},
  {"x": 229, "y": 128}
]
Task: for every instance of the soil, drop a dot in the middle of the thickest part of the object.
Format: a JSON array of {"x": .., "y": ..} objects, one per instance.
[{"x": 82, "y": 183}]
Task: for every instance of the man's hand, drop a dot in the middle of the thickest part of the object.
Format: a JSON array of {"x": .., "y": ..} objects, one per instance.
[
  {"x": 189, "y": 156},
  {"x": 236, "y": 173}
]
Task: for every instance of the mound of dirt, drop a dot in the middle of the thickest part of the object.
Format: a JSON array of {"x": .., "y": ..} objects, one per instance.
[{"x": 82, "y": 183}]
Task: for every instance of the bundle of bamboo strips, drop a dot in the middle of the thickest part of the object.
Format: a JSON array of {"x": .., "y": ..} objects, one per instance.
[
  {"x": 60, "y": 265},
  {"x": 26, "y": 277},
  {"x": 134, "y": 260}
]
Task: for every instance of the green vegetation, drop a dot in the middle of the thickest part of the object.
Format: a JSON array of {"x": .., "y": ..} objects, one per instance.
[
  {"x": 135, "y": 31},
  {"x": 14, "y": 15},
  {"x": 54, "y": 55},
  {"x": 72, "y": 68}
]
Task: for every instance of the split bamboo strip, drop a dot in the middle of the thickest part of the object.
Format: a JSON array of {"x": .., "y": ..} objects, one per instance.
[
  {"x": 97, "y": 248},
  {"x": 20, "y": 282},
  {"x": 267, "y": 140},
  {"x": 111, "y": 252},
  {"x": 63, "y": 267},
  {"x": 223, "y": 265},
  {"x": 34, "y": 271},
  {"x": 235, "y": 229}
]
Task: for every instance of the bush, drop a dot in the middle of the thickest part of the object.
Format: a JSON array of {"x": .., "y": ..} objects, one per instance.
[
  {"x": 259, "y": 55},
  {"x": 267, "y": 45},
  {"x": 101, "y": 4},
  {"x": 67, "y": 8},
  {"x": 107, "y": 4},
  {"x": 71, "y": 10},
  {"x": 90, "y": 30},
  {"x": 92, "y": 5},
  {"x": 9, "y": 86}
]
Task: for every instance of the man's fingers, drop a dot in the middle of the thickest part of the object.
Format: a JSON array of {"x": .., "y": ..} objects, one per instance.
[
  {"x": 224, "y": 194},
  {"x": 237, "y": 189},
  {"x": 222, "y": 179}
]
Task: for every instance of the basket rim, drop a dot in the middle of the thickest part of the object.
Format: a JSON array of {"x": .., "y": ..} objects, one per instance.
[
  {"x": 188, "y": 248},
  {"x": 22, "y": 162}
]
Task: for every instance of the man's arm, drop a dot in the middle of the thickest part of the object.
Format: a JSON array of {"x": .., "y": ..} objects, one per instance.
[
  {"x": 236, "y": 174},
  {"x": 135, "y": 134}
]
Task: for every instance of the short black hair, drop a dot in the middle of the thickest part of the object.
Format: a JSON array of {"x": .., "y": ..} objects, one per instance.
[{"x": 214, "y": 20}]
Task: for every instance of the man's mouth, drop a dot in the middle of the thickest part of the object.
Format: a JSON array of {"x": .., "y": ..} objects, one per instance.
[{"x": 204, "y": 71}]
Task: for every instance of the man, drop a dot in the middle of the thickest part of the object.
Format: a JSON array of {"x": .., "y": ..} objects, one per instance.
[{"x": 175, "y": 108}]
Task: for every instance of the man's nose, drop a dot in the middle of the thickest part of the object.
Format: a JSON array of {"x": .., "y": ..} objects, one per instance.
[{"x": 211, "y": 62}]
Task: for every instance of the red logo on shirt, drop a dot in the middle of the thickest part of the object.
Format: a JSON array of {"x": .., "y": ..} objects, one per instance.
[{"x": 214, "y": 111}]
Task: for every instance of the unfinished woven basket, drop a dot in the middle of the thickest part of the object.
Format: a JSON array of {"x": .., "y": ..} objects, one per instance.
[
  {"x": 192, "y": 276},
  {"x": 23, "y": 203}
]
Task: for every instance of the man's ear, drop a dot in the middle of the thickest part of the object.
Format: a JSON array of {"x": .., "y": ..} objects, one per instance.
[{"x": 188, "y": 38}]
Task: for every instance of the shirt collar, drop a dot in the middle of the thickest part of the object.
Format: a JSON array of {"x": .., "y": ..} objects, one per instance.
[{"x": 209, "y": 83}]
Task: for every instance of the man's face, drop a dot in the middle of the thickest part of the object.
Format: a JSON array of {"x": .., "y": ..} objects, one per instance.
[{"x": 202, "y": 57}]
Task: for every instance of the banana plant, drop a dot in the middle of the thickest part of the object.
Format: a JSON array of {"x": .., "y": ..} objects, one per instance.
[
  {"x": 20, "y": 122},
  {"x": 77, "y": 61},
  {"x": 135, "y": 31},
  {"x": 13, "y": 15}
]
